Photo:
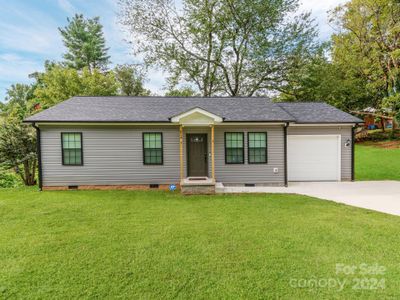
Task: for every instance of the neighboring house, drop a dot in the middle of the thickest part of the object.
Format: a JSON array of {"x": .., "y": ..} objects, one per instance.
[
  {"x": 97, "y": 142},
  {"x": 375, "y": 119}
]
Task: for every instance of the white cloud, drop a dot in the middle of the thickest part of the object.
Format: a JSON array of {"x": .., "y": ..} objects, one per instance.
[
  {"x": 319, "y": 10},
  {"x": 15, "y": 69},
  {"x": 36, "y": 39},
  {"x": 9, "y": 57},
  {"x": 156, "y": 81},
  {"x": 30, "y": 31},
  {"x": 67, "y": 6}
]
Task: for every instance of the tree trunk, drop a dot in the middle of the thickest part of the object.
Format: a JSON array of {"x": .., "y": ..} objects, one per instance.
[{"x": 29, "y": 172}]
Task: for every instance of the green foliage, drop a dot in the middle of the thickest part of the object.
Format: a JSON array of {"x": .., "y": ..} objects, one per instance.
[
  {"x": 221, "y": 46},
  {"x": 9, "y": 180},
  {"x": 185, "y": 91},
  {"x": 18, "y": 101},
  {"x": 85, "y": 43},
  {"x": 377, "y": 135},
  {"x": 18, "y": 149},
  {"x": 321, "y": 80},
  {"x": 392, "y": 104},
  {"x": 60, "y": 83},
  {"x": 367, "y": 46},
  {"x": 17, "y": 141},
  {"x": 131, "y": 80}
]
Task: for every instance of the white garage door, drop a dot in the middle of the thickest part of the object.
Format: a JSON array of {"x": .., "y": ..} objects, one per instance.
[{"x": 313, "y": 157}]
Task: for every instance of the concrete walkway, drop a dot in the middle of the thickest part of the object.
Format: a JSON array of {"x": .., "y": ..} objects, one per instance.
[{"x": 383, "y": 196}]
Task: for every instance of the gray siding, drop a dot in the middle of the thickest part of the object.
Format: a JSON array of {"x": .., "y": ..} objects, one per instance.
[
  {"x": 344, "y": 131},
  {"x": 112, "y": 156},
  {"x": 261, "y": 174}
]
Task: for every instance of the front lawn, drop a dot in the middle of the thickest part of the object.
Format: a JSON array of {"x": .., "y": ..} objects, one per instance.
[
  {"x": 109, "y": 244},
  {"x": 374, "y": 162}
]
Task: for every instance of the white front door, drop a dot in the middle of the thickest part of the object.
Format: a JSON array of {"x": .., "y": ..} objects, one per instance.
[{"x": 314, "y": 157}]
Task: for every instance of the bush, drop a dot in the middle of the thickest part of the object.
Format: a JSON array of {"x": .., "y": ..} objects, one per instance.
[
  {"x": 9, "y": 180},
  {"x": 378, "y": 135}
]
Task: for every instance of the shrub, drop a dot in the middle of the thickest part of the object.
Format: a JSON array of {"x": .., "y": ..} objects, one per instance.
[{"x": 9, "y": 180}]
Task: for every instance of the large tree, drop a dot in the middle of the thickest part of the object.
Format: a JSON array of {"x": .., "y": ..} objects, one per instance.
[
  {"x": 221, "y": 46},
  {"x": 85, "y": 43},
  {"x": 18, "y": 98},
  {"x": 368, "y": 45},
  {"x": 59, "y": 83},
  {"x": 18, "y": 141},
  {"x": 320, "y": 79},
  {"x": 131, "y": 80},
  {"x": 18, "y": 149}
]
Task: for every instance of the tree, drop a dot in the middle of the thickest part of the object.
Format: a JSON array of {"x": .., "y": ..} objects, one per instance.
[
  {"x": 18, "y": 149},
  {"x": 131, "y": 80},
  {"x": 368, "y": 46},
  {"x": 221, "y": 46},
  {"x": 59, "y": 83},
  {"x": 320, "y": 79},
  {"x": 85, "y": 43},
  {"x": 185, "y": 91},
  {"x": 17, "y": 99}
]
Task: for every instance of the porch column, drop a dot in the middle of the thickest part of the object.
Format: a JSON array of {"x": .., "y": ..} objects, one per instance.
[
  {"x": 181, "y": 150},
  {"x": 212, "y": 154}
]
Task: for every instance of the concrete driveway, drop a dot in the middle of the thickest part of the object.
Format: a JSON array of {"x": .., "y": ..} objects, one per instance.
[{"x": 383, "y": 196}]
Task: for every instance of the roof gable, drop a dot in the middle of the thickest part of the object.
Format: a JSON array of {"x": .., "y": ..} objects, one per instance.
[{"x": 196, "y": 116}]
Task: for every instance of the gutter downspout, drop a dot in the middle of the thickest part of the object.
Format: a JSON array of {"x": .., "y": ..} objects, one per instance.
[
  {"x": 285, "y": 152},
  {"x": 353, "y": 129},
  {"x": 39, "y": 154}
]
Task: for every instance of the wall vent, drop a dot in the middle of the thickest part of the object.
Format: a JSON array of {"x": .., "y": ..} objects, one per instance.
[
  {"x": 249, "y": 184},
  {"x": 154, "y": 186},
  {"x": 72, "y": 187}
]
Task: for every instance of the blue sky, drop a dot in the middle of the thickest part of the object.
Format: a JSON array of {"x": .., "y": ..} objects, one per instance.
[{"x": 29, "y": 34}]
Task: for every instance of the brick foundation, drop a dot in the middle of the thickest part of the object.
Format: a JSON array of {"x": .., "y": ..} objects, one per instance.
[{"x": 110, "y": 187}]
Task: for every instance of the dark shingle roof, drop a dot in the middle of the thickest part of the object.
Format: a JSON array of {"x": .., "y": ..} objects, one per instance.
[
  {"x": 161, "y": 109},
  {"x": 317, "y": 112}
]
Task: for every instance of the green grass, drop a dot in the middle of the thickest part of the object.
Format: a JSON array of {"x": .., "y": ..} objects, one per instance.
[
  {"x": 108, "y": 244},
  {"x": 373, "y": 163}
]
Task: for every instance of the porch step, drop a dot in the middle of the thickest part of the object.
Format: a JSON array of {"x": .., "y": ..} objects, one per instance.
[
  {"x": 219, "y": 187},
  {"x": 198, "y": 185}
]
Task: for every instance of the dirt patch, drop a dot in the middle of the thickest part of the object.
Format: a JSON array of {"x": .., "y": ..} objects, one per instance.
[{"x": 383, "y": 144}]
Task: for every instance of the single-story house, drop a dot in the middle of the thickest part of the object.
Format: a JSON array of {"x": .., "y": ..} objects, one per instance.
[{"x": 103, "y": 142}]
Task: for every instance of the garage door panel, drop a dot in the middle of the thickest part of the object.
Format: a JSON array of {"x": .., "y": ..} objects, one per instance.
[{"x": 313, "y": 158}]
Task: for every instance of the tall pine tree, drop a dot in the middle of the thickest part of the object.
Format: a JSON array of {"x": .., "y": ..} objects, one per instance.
[{"x": 85, "y": 43}]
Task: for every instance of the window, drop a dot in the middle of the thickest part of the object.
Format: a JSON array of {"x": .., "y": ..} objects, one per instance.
[
  {"x": 72, "y": 154},
  {"x": 234, "y": 148},
  {"x": 152, "y": 148},
  {"x": 257, "y": 144}
]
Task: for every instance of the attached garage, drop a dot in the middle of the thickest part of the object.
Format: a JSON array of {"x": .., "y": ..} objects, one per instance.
[{"x": 314, "y": 157}]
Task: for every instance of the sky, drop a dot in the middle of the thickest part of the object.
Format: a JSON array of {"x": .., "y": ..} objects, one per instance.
[{"x": 29, "y": 35}]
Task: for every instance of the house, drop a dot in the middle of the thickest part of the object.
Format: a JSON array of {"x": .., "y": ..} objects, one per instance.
[
  {"x": 142, "y": 142},
  {"x": 374, "y": 119}
]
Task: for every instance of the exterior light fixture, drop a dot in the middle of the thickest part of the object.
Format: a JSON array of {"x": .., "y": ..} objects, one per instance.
[{"x": 347, "y": 143}]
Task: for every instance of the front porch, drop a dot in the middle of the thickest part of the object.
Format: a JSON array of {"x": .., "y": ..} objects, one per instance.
[{"x": 197, "y": 151}]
